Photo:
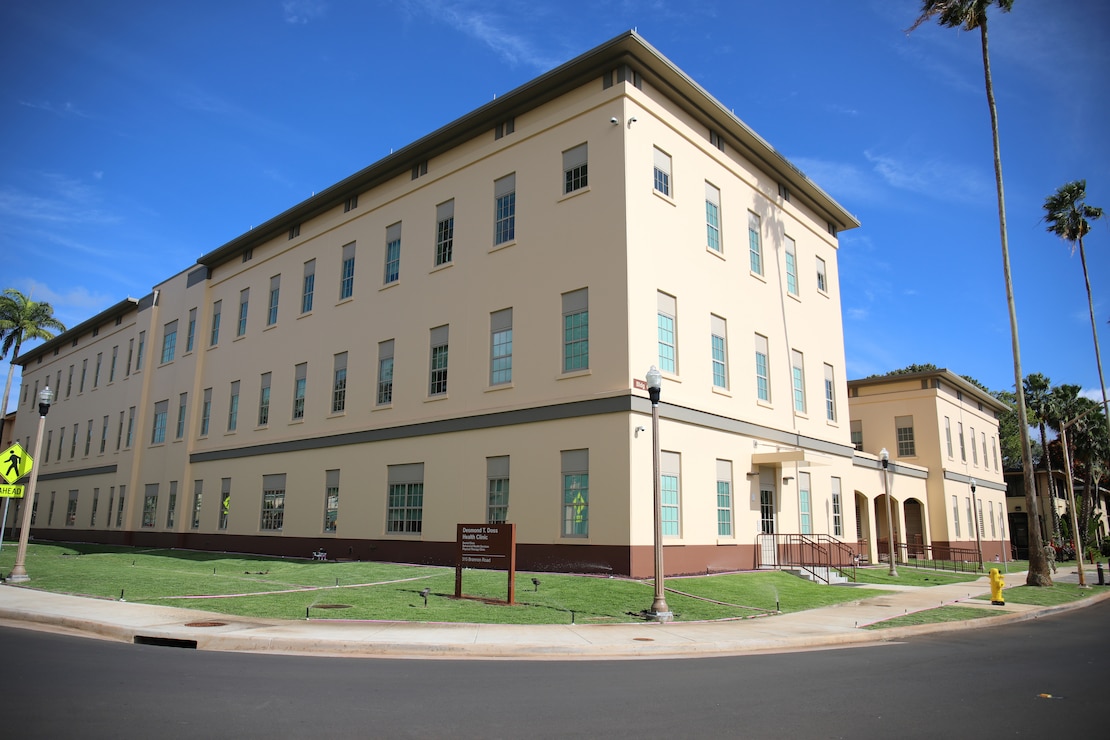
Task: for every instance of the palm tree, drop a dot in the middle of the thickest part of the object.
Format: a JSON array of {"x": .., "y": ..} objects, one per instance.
[
  {"x": 22, "y": 319},
  {"x": 971, "y": 15},
  {"x": 1066, "y": 213},
  {"x": 1041, "y": 404}
]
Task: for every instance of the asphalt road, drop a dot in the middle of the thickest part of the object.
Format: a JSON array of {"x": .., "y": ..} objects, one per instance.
[{"x": 973, "y": 683}]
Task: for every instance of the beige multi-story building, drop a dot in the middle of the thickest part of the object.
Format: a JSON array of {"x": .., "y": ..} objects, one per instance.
[
  {"x": 459, "y": 333},
  {"x": 941, "y": 437}
]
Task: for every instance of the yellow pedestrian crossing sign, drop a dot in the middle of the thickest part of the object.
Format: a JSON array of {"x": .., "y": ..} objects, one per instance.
[{"x": 15, "y": 463}]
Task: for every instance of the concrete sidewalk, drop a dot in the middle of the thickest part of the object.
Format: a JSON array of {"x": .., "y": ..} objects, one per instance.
[{"x": 817, "y": 628}]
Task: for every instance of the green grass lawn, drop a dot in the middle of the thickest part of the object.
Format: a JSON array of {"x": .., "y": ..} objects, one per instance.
[
  {"x": 254, "y": 586},
  {"x": 913, "y": 576},
  {"x": 933, "y": 616}
]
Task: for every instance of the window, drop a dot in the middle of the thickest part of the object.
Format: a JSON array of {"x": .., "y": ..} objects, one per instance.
[
  {"x": 233, "y": 407},
  {"x": 837, "y": 511},
  {"x": 791, "y": 266},
  {"x": 994, "y": 452},
  {"x": 994, "y": 532},
  {"x": 970, "y": 517},
  {"x": 273, "y": 503},
  {"x": 805, "y": 506},
  {"x": 667, "y": 310},
  {"x": 119, "y": 437},
  {"x": 49, "y": 444},
  {"x": 504, "y": 210},
  {"x": 96, "y": 502},
  {"x": 190, "y": 334},
  {"x": 669, "y": 474},
  {"x": 437, "y": 382},
  {"x": 169, "y": 341},
  {"x": 104, "y": 436},
  {"x": 142, "y": 351},
  {"x": 974, "y": 449},
  {"x": 857, "y": 434},
  {"x": 119, "y": 509},
  {"x": 504, "y": 128},
  {"x": 724, "y": 498},
  {"x": 574, "y": 169},
  {"x": 69, "y": 382},
  {"x": 347, "y": 272},
  {"x": 300, "y": 384},
  {"x": 948, "y": 435},
  {"x": 350, "y": 204},
  {"x": 662, "y": 172},
  {"x": 497, "y": 489},
  {"x": 331, "y": 500},
  {"x": 713, "y": 218},
  {"x": 830, "y": 394},
  {"x": 903, "y": 426},
  {"x": 339, "y": 383},
  {"x": 225, "y": 502},
  {"x": 88, "y": 437},
  {"x": 822, "y": 285},
  {"x": 294, "y": 231},
  {"x": 275, "y": 295},
  {"x": 420, "y": 169},
  {"x": 205, "y": 412},
  {"x": 71, "y": 509},
  {"x": 405, "y": 502},
  {"x": 754, "y": 246},
  {"x": 84, "y": 373},
  {"x": 150, "y": 504},
  {"x": 762, "y": 369},
  {"x": 308, "y": 285},
  {"x": 171, "y": 510},
  {"x": 983, "y": 438},
  {"x": 73, "y": 442},
  {"x": 392, "y": 254},
  {"x": 198, "y": 496},
  {"x": 182, "y": 405},
  {"x": 445, "y": 232},
  {"x": 96, "y": 372},
  {"x": 576, "y": 330},
  {"x": 244, "y": 303},
  {"x": 112, "y": 365},
  {"x": 717, "y": 336},
  {"x": 214, "y": 339},
  {"x": 797, "y": 373},
  {"x": 158, "y": 433},
  {"x": 385, "y": 372},
  {"x": 501, "y": 347},
  {"x": 130, "y": 427},
  {"x": 264, "y": 400},
  {"x": 960, "y": 436},
  {"x": 576, "y": 492}
]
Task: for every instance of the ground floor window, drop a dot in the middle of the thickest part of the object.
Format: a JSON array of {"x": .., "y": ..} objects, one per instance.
[
  {"x": 273, "y": 502},
  {"x": 576, "y": 493},
  {"x": 405, "y": 505}
]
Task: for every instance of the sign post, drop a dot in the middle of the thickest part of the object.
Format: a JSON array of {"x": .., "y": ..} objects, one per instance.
[
  {"x": 14, "y": 464},
  {"x": 486, "y": 547}
]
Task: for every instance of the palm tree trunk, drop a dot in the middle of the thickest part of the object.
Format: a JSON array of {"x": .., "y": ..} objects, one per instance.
[
  {"x": 1094, "y": 332},
  {"x": 8, "y": 388},
  {"x": 1038, "y": 564},
  {"x": 1051, "y": 488}
]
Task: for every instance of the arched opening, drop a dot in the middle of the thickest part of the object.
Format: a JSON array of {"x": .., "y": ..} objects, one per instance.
[
  {"x": 863, "y": 529},
  {"x": 881, "y": 530},
  {"x": 916, "y": 541}
]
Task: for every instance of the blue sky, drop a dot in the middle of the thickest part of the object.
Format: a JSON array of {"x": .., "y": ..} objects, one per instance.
[{"x": 137, "y": 136}]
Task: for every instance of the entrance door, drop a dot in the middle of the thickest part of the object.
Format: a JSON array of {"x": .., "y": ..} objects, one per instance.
[{"x": 768, "y": 555}]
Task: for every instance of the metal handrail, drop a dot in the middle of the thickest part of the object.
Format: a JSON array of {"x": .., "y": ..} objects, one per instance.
[{"x": 812, "y": 552}]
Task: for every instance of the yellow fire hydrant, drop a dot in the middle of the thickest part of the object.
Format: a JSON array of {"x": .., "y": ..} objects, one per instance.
[{"x": 997, "y": 584}]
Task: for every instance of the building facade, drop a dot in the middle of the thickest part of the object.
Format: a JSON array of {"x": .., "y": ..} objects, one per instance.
[
  {"x": 941, "y": 435},
  {"x": 458, "y": 333}
]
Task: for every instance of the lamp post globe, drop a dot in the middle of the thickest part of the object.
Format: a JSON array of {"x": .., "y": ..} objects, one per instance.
[{"x": 19, "y": 570}]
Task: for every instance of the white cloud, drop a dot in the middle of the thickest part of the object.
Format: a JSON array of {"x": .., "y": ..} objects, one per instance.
[
  {"x": 63, "y": 109},
  {"x": 490, "y": 28},
  {"x": 931, "y": 177},
  {"x": 68, "y": 201},
  {"x": 300, "y": 12}
]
